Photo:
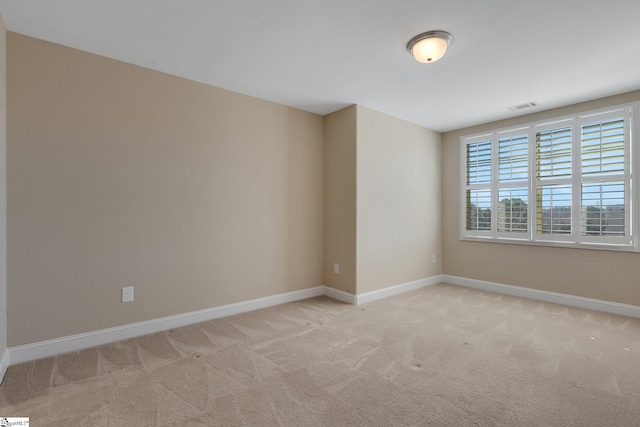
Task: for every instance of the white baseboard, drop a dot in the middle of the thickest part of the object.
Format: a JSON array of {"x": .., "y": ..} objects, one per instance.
[
  {"x": 38, "y": 350},
  {"x": 4, "y": 364},
  {"x": 57, "y": 346},
  {"x": 381, "y": 293},
  {"x": 546, "y": 296},
  {"x": 397, "y": 289},
  {"x": 340, "y": 295}
]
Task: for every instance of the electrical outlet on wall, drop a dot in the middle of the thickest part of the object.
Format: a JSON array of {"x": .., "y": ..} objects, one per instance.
[
  {"x": 127, "y": 294},
  {"x": 336, "y": 268},
  {"x": 433, "y": 259}
]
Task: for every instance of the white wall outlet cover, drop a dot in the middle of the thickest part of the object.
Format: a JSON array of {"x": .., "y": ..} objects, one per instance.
[{"x": 127, "y": 294}]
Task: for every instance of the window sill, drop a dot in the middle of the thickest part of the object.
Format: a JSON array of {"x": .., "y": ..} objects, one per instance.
[{"x": 570, "y": 245}]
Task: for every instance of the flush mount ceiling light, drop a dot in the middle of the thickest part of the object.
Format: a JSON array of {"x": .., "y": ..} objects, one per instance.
[{"x": 430, "y": 46}]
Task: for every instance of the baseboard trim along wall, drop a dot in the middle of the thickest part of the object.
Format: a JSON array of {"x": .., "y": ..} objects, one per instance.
[
  {"x": 546, "y": 296},
  {"x": 4, "y": 363},
  {"x": 39, "y": 350},
  {"x": 381, "y": 293},
  {"x": 340, "y": 295},
  {"x": 397, "y": 289}
]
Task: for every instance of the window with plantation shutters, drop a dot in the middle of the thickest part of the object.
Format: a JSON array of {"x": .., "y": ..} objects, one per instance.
[{"x": 564, "y": 182}]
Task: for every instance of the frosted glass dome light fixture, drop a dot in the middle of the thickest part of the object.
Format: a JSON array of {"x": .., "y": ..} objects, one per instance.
[{"x": 430, "y": 46}]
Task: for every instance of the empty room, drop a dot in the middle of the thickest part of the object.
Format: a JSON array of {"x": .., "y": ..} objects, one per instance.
[{"x": 319, "y": 213}]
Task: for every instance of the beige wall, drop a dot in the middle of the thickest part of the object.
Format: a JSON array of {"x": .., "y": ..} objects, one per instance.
[
  {"x": 305, "y": 181},
  {"x": 605, "y": 275},
  {"x": 340, "y": 133},
  {"x": 118, "y": 175},
  {"x": 382, "y": 196},
  {"x": 3, "y": 189},
  {"x": 398, "y": 201}
]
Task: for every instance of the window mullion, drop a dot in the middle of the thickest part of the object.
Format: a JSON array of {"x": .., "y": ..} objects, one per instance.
[
  {"x": 533, "y": 199},
  {"x": 628, "y": 194},
  {"x": 576, "y": 181},
  {"x": 495, "y": 187},
  {"x": 634, "y": 159}
]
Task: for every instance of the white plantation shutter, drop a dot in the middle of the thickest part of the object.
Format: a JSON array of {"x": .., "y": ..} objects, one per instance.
[
  {"x": 553, "y": 213},
  {"x": 553, "y": 149},
  {"x": 478, "y": 191},
  {"x": 553, "y": 181},
  {"x": 513, "y": 159},
  {"x": 513, "y": 214},
  {"x": 603, "y": 148},
  {"x": 604, "y": 188},
  {"x": 479, "y": 163},
  {"x": 513, "y": 194},
  {"x": 478, "y": 209},
  {"x": 603, "y": 209}
]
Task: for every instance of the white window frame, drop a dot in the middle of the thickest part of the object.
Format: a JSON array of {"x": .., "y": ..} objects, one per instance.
[
  {"x": 476, "y": 233},
  {"x": 496, "y": 186},
  {"x": 534, "y": 181},
  {"x": 629, "y": 242}
]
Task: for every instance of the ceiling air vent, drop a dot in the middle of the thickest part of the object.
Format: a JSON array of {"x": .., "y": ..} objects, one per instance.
[{"x": 523, "y": 106}]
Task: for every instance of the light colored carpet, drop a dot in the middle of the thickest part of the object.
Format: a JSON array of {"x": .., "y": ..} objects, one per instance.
[{"x": 443, "y": 355}]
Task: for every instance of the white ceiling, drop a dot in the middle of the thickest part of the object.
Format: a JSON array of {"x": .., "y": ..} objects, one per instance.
[{"x": 322, "y": 55}]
